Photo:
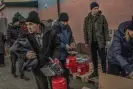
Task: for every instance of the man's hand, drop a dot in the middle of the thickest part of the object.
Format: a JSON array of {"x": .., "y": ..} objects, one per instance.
[
  {"x": 86, "y": 45},
  {"x": 56, "y": 61},
  {"x": 68, "y": 47},
  {"x": 30, "y": 55},
  {"x": 73, "y": 45}
]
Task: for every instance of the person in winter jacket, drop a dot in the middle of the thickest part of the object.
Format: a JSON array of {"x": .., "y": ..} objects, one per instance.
[
  {"x": 120, "y": 54},
  {"x": 96, "y": 34},
  {"x": 41, "y": 42},
  {"x": 13, "y": 31},
  {"x": 2, "y": 48},
  {"x": 64, "y": 33}
]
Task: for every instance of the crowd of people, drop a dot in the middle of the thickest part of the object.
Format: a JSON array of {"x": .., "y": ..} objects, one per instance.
[{"x": 29, "y": 38}]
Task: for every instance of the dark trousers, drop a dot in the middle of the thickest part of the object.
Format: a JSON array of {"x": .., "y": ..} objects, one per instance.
[
  {"x": 102, "y": 54},
  {"x": 66, "y": 73},
  {"x": 13, "y": 62},
  {"x": 2, "y": 59},
  {"x": 14, "y": 59},
  {"x": 115, "y": 70},
  {"x": 41, "y": 79},
  {"x": 21, "y": 63}
]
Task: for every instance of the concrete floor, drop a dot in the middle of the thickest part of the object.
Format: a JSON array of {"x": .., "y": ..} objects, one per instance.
[{"x": 8, "y": 82}]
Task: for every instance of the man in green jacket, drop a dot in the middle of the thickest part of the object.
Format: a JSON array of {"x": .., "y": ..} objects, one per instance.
[{"x": 96, "y": 35}]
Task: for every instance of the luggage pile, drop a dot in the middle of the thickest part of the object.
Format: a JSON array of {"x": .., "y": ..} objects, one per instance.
[
  {"x": 83, "y": 65},
  {"x": 77, "y": 64}
]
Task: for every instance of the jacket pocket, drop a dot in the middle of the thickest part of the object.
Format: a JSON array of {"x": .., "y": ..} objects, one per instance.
[{"x": 89, "y": 25}]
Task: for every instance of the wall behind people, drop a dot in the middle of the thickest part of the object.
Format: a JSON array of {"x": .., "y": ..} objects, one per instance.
[
  {"x": 47, "y": 9},
  {"x": 116, "y": 11}
]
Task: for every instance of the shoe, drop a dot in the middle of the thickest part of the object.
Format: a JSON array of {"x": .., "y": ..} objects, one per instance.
[
  {"x": 15, "y": 76},
  {"x": 2, "y": 65},
  {"x": 94, "y": 74},
  {"x": 24, "y": 77},
  {"x": 70, "y": 87}
]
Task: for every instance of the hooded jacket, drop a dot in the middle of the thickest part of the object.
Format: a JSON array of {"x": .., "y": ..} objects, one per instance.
[
  {"x": 121, "y": 50},
  {"x": 65, "y": 36},
  {"x": 101, "y": 29},
  {"x": 13, "y": 31}
]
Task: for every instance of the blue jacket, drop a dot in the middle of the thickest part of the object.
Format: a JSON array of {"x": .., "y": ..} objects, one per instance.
[
  {"x": 65, "y": 35},
  {"x": 121, "y": 51}
]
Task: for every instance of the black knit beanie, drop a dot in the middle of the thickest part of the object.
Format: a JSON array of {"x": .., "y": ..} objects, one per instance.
[
  {"x": 63, "y": 17},
  {"x": 33, "y": 17},
  {"x": 93, "y": 4},
  {"x": 130, "y": 26}
]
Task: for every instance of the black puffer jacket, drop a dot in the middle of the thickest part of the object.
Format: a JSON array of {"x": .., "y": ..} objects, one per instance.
[
  {"x": 121, "y": 50},
  {"x": 12, "y": 34}
]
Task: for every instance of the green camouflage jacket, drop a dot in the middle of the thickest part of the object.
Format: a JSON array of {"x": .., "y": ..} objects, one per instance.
[{"x": 101, "y": 29}]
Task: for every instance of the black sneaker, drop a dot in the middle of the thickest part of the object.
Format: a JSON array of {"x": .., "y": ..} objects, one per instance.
[
  {"x": 93, "y": 75},
  {"x": 24, "y": 77},
  {"x": 15, "y": 76},
  {"x": 2, "y": 65}
]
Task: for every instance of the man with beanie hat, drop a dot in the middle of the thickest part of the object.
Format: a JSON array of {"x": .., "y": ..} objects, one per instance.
[
  {"x": 34, "y": 15},
  {"x": 44, "y": 43},
  {"x": 66, "y": 41},
  {"x": 120, "y": 54},
  {"x": 13, "y": 31},
  {"x": 96, "y": 35},
  {"x": 93, "y": 5}
]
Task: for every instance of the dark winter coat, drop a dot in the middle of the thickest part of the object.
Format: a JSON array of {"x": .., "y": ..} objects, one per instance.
[
  {"x": 101, "y": 29},
  {"x": 2, "y": 43},
  {"x": 27, "y": 42},
  {"x": 65, "y": 35},
  {"x": 12, "y": 34},
  {"x": 121, "y": 51}
]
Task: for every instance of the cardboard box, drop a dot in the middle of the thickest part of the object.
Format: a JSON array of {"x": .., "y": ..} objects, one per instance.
[{"x": 107, "y": 81}]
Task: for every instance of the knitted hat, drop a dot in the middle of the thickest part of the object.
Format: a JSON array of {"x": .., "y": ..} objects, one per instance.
[
  {"x": 63, "y": 17},
  {"x": 33, "y": 17},
  {"x": 17, "y": 17},
  {"x": 93, "y": 4},
  {"x": 130, "y": 26}
]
